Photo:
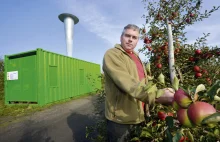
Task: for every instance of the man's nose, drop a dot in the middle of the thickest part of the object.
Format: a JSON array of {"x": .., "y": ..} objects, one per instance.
[{"x": 130, "y": 39}]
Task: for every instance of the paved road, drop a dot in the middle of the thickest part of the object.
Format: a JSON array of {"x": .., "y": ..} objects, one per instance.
[{"x": 60, "y": 123}]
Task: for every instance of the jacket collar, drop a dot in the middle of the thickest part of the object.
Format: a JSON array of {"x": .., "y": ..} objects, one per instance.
[{"x": 118, "y": 46}]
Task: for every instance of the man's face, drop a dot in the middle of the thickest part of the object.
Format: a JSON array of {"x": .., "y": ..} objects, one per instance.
[{"x": 129, "y": 39}]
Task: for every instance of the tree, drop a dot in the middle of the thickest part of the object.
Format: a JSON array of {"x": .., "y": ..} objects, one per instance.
[
  {"x": 179, "y": 14},
  {"x": 1, "y": 78},
  {"x": 195, "y": 64}
]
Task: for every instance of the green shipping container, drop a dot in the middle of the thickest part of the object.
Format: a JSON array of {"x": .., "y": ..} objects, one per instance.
[{"x": 42, "y": 77}]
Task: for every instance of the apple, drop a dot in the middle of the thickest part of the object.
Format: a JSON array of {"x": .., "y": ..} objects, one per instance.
[
  {"x": 177, "y": 50},
  {"x": 154, "y": 123},
  {"x": 164, "y": 47},
  {"x": 158, "y": 57},
  {"x": 183, "y": 139},
  {"x": 174, "y": 14},
  {"x": 161, "y": 115},
  {"x": 170, "y": 114},
  {"x": 191, "y": 14},
  {"x": 187, "y": 20},
  {"x": 191, "y": 59},
  {"x": 196, "y": 69},
  {"x": 183, "y": 118},
  {"x": 198, "y": 52},
  {"x": 182, "y": 98},
  {"x": 197, "y": 111},
  {"x": 209, "y": 81},
  {"x": 159, "y": 65},
  {"x": 146, "y": 40},
  {"x": 198, "y": 74},
  {"x": 204, "y": 71}
]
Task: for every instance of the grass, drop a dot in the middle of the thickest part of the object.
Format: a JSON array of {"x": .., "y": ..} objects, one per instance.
[
  {"x": 21, "y": 110},
  {"x": 13, "y": 113}
]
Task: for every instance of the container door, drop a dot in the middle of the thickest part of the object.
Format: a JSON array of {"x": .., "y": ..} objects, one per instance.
[
  {"x": 81, "y": 81},
  {"x": 21, "y": 79}
]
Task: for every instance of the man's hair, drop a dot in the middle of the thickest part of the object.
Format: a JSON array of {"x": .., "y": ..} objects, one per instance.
[{"x": 131, "y": 26}]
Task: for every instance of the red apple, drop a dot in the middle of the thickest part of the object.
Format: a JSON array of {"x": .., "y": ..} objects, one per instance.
[
  {"x": 198, "y": 52},
  {"x": 154, "y": 123},
  {"x": 162, "y": 115},
  {"x": 197, "y": 111},
  {"x": 198, "y": 74},
  {"x": 146, "y": 40},
  {"x": 154, "y": 51},
  {"x": 209, "y": 81},
  {"x": 183, "y": 139},
  {"x": 204, "y": 71},
  {"x": 174, "y": 14},
  {"x": 170, "y": 114},
  {"x": 159, "y": 65},
  {"x": 183, "y": 118},
  {"x": 187, "y": 20},
  {"x": 164, "y": 47},
  {"x": 191, "y": 59},
  {"x": 192, "y": 15},
  {"x": 158, "y": 57},
  {"x": 196, "y": 69},
  {"x": 177, "y": 50},
  {"x": 182, "y": 98}
]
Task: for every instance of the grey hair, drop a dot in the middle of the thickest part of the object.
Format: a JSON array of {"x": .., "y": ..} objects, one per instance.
[{"x": 131, "y": 26}]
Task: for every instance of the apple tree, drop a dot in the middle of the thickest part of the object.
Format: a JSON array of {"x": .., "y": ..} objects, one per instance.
[{"x": 190, "y": 68}]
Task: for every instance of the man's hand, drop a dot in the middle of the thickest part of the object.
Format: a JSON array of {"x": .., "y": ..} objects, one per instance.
[{"x": 167, "y": 97}]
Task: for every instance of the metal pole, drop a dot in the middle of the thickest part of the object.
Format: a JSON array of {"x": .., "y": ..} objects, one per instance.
[
  {"x": 69, "y": 21},
  {"x": 171, "y": 52}
]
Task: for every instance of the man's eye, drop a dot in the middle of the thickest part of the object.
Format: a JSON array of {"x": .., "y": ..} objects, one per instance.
[
  {"x": 134, "y": 37},
  {"x": 127, "y": 35}
]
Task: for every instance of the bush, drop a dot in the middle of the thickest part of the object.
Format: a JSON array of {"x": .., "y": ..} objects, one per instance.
[{"x": 1, "y": 79}]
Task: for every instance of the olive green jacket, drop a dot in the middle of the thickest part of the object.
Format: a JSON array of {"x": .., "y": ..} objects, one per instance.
[{"x": 124, "y": 92}]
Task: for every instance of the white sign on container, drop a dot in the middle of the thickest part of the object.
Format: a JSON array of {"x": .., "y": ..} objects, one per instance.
[{"x": 12, "y": 75}]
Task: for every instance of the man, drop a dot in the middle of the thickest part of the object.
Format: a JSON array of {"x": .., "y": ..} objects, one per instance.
[{"x": 125, "y": 82}]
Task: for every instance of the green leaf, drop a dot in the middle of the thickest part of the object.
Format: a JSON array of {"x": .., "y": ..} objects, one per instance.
[
  {"x": 199, "y": 88},
  {"x": 161, "y": 78},
  {"x": 149, "y": 84},
  {"x": 190, "y": 136},
  {"x": 175, "y": 83},
  {"x": 135, "y": 139},
  {"x": 216, "y": 132},
  {"x": 169, "y": 136},
  {"x": 213, "y": 90},
  {"x": 145, "y": 134},
  {"x": 148, "y": 68},
  {"x": 213, "y": 118},
  {"x": 177, "y": 136},
  {"x": 153, "y": 88},
  {"x": 160, "y": 92},
  {"x": 169, "y": 121}
]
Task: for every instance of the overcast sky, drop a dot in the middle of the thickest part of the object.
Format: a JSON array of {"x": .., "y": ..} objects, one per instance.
[{"x": 30, "y": 24}]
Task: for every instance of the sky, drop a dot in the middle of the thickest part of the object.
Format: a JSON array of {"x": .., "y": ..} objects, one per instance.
[{"x": 30, "y": 24}]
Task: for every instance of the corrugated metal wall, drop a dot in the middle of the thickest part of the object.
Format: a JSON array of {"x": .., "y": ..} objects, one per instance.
[{"x": 49, "y": 77}]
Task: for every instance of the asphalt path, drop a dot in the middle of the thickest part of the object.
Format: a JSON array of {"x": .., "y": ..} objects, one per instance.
[{"x": 60, "y": 123}]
